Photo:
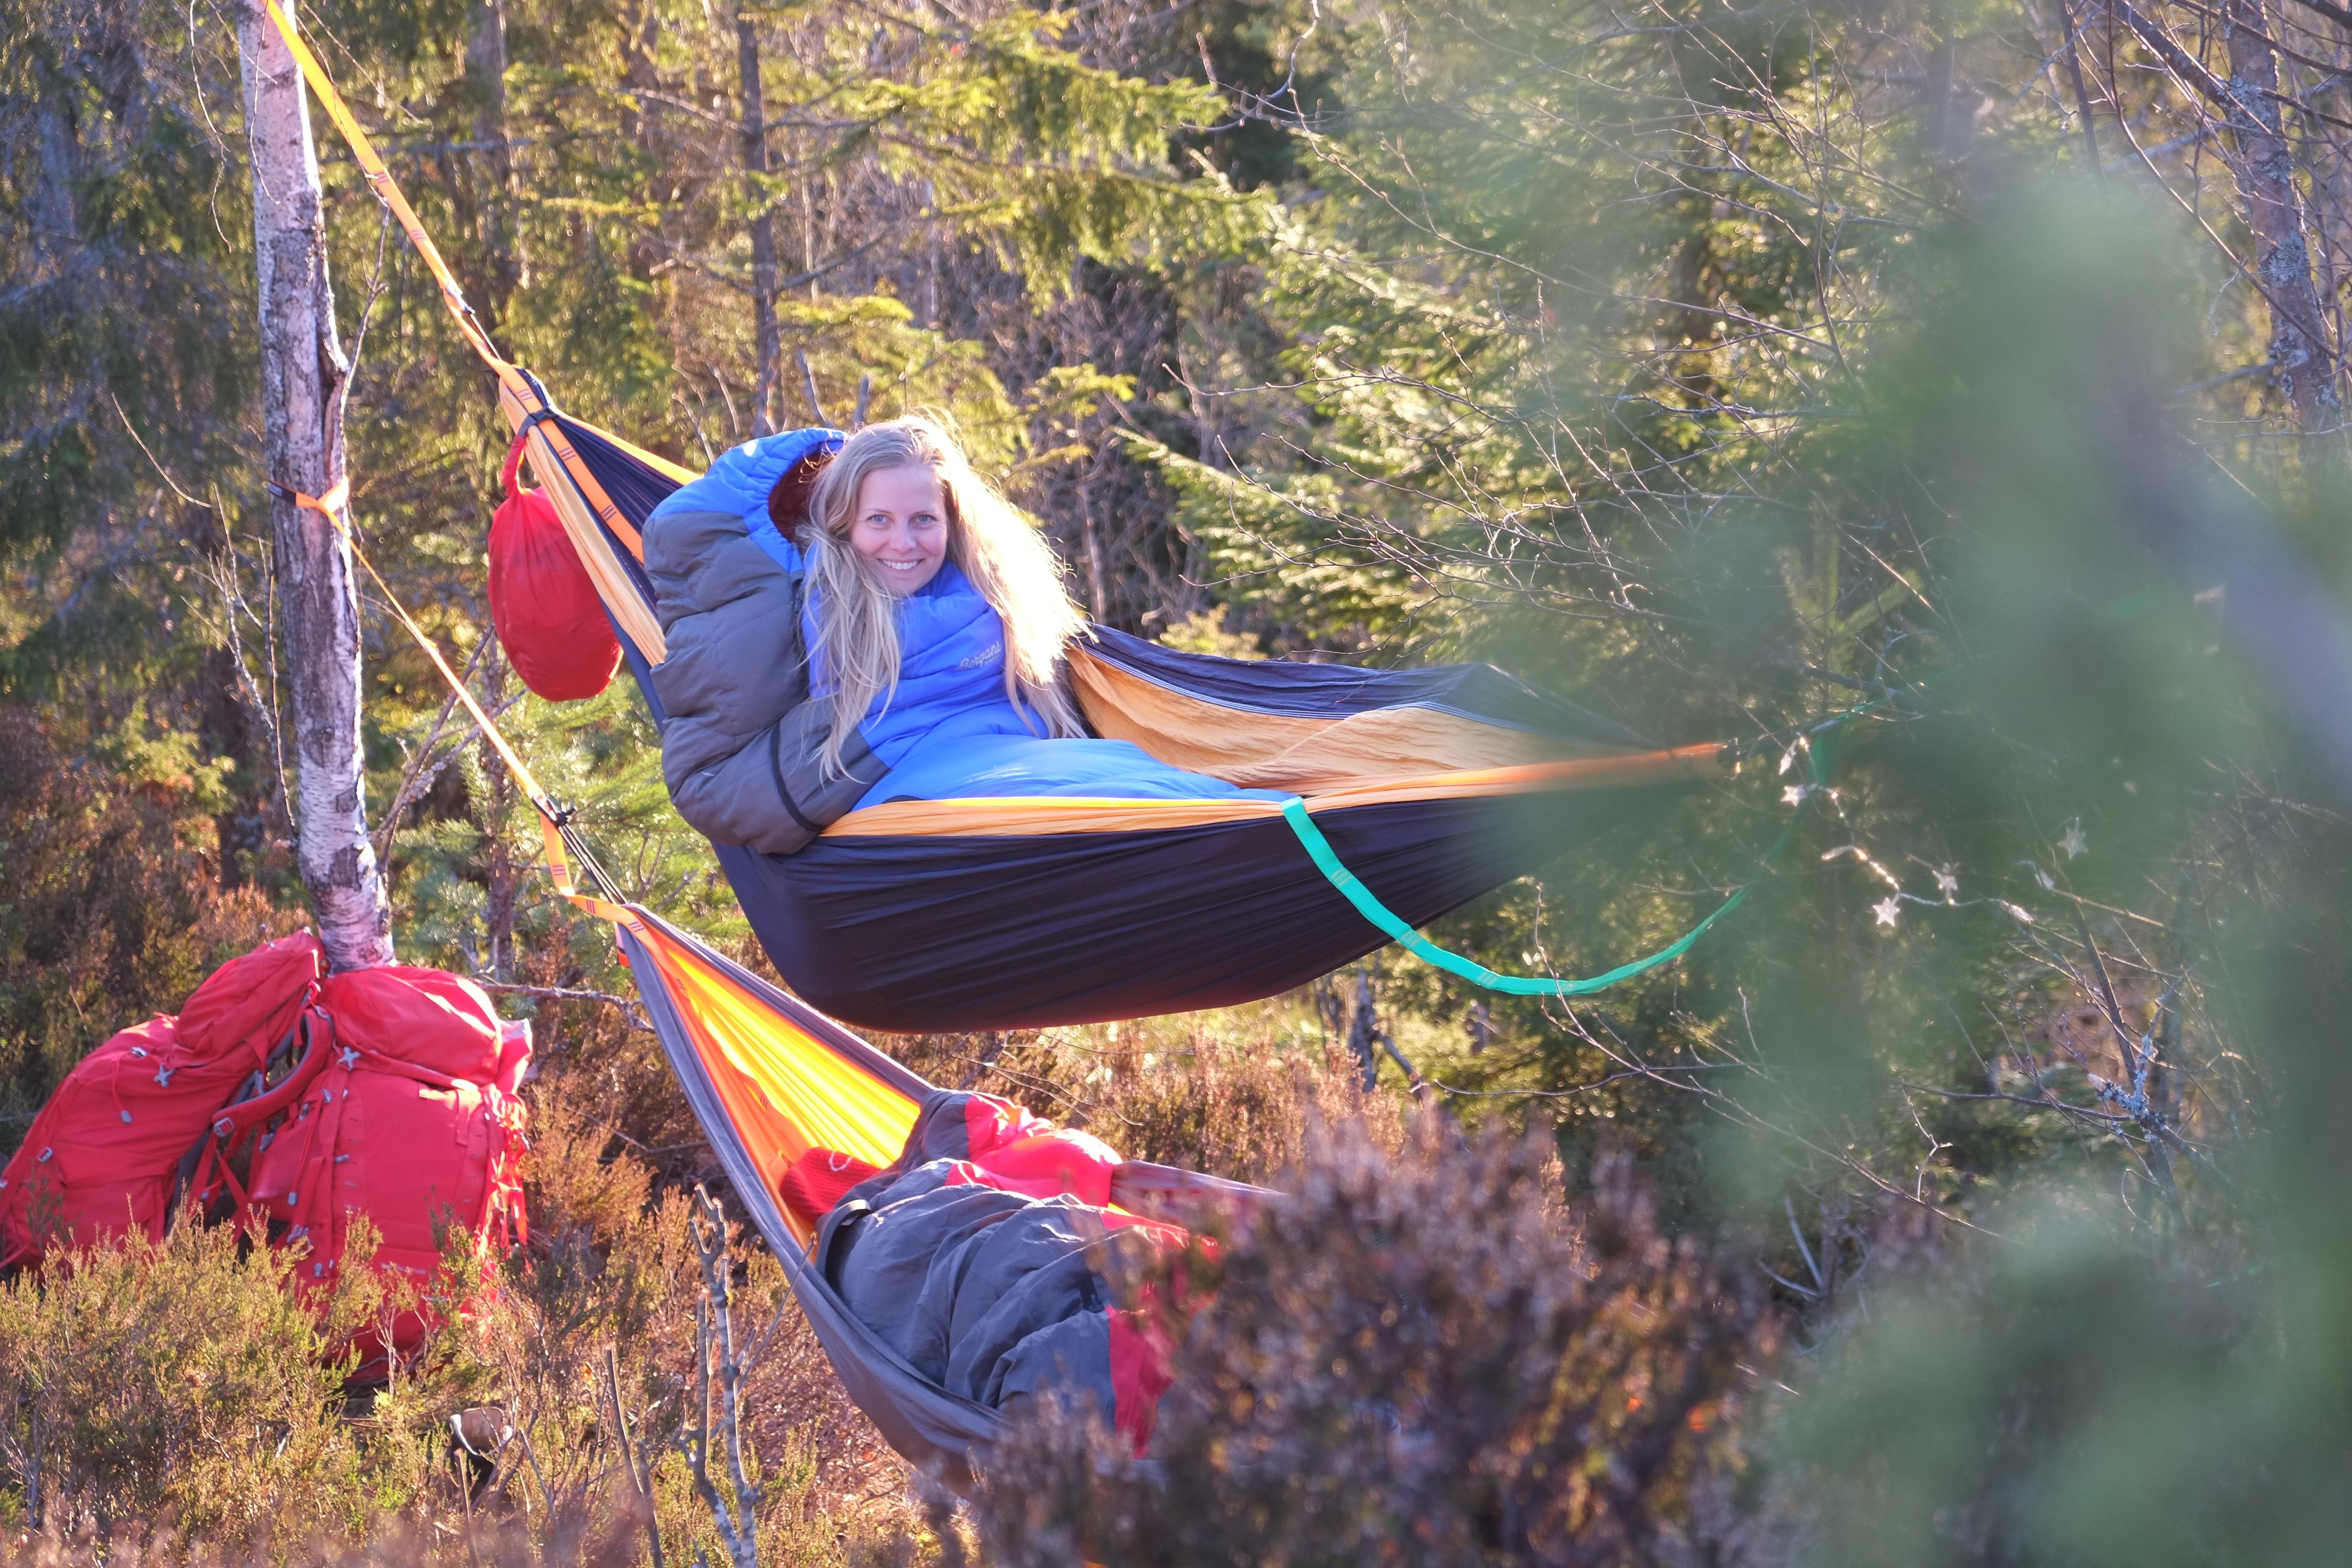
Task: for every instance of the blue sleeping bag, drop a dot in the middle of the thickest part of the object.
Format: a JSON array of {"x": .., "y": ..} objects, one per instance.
[{"x": 950, "y": 731}]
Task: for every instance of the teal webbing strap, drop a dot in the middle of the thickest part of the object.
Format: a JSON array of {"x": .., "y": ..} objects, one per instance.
[{"x": 1326, "y": 860}]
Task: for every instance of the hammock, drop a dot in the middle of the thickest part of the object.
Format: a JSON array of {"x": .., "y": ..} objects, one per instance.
[
  {"x": 1416, "y": 791},
  {"x": 1431, "y": 785},
  {"x": 769, "y": 1077}
]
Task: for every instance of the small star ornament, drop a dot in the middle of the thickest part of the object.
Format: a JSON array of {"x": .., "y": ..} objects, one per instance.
[
  {"x": 1888, "y": 910},
  {"x": 2073, "y": 843}
]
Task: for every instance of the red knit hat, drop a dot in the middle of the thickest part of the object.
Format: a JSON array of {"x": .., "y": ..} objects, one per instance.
[{"x": 818, "y": 1180}]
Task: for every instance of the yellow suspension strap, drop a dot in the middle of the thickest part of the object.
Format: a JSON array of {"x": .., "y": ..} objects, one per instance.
[
  {"x": 554, "y": 821},
  {"x": 581, "y": 501}
]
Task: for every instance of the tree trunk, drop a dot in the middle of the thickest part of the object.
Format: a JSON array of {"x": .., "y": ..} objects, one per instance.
[
  {"x": 1097, "y": 590},
  {"x": 57, "y": 227},
  {"x": 303, "y": 377},
  {"x": 768, "y": 350},
  {"x": 486, "y": 76},
  {"x": 2300, "y": 362},
  {"x": 501, "y": 242}
]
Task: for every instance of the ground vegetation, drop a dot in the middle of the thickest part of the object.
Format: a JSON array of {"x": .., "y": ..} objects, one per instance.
[{"x": 1942, "y": 402}]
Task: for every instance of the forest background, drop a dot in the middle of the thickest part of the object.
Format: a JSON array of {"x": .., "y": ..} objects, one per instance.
[{"x": 1968, "y": 373}]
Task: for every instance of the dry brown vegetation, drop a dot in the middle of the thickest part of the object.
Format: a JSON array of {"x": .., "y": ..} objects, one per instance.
[
  {"x": 179, "y": 1401},
  {"x": 1430, "y": 1356},
  {"x": 1447, "y": 1336},
  {"x": 115, "y": 901},
  {"x": 184, "y": 1395}
]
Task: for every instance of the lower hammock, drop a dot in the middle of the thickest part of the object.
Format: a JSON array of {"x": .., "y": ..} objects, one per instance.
[{"x": 769, "y": 1077}]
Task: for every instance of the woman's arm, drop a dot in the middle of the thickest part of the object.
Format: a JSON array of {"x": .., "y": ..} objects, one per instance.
[{"x": 739, "y": 733}]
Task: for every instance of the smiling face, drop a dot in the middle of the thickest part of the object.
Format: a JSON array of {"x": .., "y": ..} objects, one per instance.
[{"x": 901, "y": 525}]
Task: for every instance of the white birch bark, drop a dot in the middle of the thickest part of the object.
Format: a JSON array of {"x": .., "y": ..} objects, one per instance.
[
  {"x": 2300, "y": 362},
  {"x": 303, "y": 375}
]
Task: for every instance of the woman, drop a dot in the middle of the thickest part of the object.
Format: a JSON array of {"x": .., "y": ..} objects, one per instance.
[{"x": 861, "y": 620}]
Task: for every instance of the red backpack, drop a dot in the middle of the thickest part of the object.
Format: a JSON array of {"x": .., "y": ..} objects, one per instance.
[
  {"x": 385, "y": 1092},
  {"x": 118, "y": 1143},
  {"x": 411, "y": 1119}
]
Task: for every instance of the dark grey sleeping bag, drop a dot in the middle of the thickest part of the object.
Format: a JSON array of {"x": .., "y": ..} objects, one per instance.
[{"x": 994, "y": 1295}]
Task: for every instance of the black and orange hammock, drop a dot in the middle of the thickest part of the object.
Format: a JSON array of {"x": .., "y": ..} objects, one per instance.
[{"x": 1412, "y": 792}]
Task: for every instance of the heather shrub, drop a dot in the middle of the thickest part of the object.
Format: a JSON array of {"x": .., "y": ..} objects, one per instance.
[
  {"x": 116, "y": 904},
  {"x": 1427, "y": 1356},
  {"x": 1231, "y": 1092},
  {"x": 589, "y": 1347},
  {"x": 613, "y": 1543},
  {"x": 189, "y": 1381}
]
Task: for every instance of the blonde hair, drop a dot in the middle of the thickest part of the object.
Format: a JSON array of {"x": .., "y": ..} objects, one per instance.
[{"x": 1006, "y": 559}]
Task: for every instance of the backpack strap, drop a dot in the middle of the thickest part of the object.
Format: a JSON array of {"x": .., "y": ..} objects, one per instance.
[
  {"x": 316, "y": 1029},
  {"x": 254, "y": 1103},
  {"x": 430, "y": 1077}
]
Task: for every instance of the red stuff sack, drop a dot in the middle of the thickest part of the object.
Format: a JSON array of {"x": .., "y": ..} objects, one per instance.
[
  {"x": 111, "y": 1150},
  {"x": 412, "y": 1120},
  {"x": 550, "y": 620}
]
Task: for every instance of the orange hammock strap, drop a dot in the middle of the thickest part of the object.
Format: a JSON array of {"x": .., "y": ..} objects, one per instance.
[
  {"x": 380, "y": 179},
  {"x": 335, "y": 507},
  {"x": 338, "y": 495},
  {"x": 521, "y": 398}
]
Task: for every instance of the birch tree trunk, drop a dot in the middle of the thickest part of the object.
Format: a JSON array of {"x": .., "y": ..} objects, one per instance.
[
  {"x": 2301, "y": 363},
  {"x": 303, "y": 377},
  {"x": 767, "y": 349}
]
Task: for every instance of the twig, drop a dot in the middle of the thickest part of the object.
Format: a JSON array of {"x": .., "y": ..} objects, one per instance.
[
  {"x": 808, "y": 384},
  {"x": 233, "y": 601},
  {"x": 151, "y": 457},
  {"x": 2072, "y": 45},
  {"x": 1414, "y": 1080},
  {"x": 1803, "y": 1252},
  {"x": 714, "y": 1324},
  {"x": 1643, "y": 1070},
  {"x": 641, "y": 1480},
  {"x": 412, "y": 783},
  {"x": 637, "y": 1019}
]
